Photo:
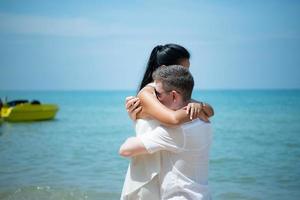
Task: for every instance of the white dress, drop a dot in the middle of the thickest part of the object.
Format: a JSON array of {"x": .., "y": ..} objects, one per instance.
[{"x": 142, "y": 181}]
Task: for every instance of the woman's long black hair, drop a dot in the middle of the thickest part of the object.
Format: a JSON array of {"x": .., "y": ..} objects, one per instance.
[{"x": 169, "y": 54}]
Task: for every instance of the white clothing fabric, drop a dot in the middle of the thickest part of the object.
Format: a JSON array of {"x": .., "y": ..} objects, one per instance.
[
  {"x": 184, "y": 159},
  {"x": 141, "y": 181}
]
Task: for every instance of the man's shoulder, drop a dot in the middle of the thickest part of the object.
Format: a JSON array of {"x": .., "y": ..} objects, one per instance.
[{"x": 195, "y": 123}]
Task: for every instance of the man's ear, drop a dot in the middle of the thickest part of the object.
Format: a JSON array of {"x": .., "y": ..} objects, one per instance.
[{"x": 175, "y": 95}]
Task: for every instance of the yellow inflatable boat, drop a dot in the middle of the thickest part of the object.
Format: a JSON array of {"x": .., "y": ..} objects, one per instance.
[{"x": 23, "y": 110}]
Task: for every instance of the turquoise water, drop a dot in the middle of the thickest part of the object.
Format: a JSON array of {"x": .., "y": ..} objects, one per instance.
[{"x": 255, "y": 154}]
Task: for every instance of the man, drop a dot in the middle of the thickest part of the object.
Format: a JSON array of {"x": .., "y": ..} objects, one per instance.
[{"x": 185, "y": 149}]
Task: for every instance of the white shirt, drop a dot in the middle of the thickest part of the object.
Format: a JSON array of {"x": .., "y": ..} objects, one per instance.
[{"x": 184, "y": 159}]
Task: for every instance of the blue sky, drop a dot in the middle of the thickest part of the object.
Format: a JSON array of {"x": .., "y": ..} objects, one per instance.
[{"x": 103, "y": 45}]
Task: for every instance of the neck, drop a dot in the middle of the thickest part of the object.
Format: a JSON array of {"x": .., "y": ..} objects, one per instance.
[{"x": 183, "y": 104}]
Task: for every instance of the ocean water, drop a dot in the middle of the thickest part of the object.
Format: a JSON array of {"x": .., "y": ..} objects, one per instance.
[{"x": 255, "y": 153}]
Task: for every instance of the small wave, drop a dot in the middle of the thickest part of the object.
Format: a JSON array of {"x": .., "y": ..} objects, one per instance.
[
  {"x": 53, "y": 193},
  {"x": 234, "y": 195},
  {"x": 224, "y": 160}
]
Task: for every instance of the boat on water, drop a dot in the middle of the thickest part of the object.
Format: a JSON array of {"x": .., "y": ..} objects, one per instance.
[{"x": 23, "y": 110}]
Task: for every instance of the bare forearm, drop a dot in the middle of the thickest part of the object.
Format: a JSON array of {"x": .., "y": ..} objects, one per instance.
[
  {"x": 152, "y": 107},
  {"x": 179, "y": 117}
]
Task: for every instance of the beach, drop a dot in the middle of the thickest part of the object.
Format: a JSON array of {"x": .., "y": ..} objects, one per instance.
[{"x": 255, "y": 152}]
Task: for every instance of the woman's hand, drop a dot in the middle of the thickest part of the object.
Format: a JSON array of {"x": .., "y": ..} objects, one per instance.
[
  {"x": 133, "y": 106},
  {"x": 195, "y": 110}
]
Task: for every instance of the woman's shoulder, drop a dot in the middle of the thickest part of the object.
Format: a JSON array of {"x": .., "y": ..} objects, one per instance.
[
  {"x": 148, "y": 89},
  {"x": 151, "y": 84}
]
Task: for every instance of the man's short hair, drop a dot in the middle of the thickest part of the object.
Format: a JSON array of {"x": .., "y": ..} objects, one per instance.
[{"x": 175, "y": 77}]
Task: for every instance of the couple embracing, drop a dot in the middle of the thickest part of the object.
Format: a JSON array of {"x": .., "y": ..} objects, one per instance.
[{"x": 170, "y": 152}]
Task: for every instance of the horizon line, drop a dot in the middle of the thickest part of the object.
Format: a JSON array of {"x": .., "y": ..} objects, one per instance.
[{"x": 119, "y": 90}]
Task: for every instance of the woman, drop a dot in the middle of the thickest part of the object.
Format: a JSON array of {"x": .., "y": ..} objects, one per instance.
[
  {"x": 169, "y": 54},
  {"x": 142, "y": 181}
]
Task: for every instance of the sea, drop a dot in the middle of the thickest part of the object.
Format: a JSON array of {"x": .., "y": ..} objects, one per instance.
[{"x": 255, "y": 152}]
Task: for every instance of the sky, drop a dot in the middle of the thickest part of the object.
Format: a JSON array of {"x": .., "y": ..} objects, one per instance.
[{"x": 105, "y": 45}]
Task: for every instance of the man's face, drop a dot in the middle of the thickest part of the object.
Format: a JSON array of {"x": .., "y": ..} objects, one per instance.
[{"x": 168, "y": 98}]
